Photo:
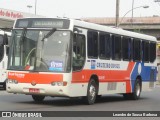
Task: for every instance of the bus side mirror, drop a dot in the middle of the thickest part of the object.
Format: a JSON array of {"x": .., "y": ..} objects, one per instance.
[
  {"x": 5, "y": 39},
  {"x": 7, "y": 50},
  {"x": 76, "y": 30},
  {"x": 1, "y": 40}
]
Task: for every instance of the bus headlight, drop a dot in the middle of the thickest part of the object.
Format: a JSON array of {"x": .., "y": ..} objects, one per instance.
[
  {"x": 59, "y": 83},
  {"x": 12, "y": 81}
]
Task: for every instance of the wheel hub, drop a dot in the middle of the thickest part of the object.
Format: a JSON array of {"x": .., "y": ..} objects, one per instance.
[
  {"x": 138, "y": 90},
  {"x": 92, "y": 92}
]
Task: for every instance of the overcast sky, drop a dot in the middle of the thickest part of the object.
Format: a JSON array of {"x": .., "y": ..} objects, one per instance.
[{"x": 82, "y": 8}]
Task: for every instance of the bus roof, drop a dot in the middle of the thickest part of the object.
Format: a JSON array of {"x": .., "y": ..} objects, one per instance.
[
  {"x": 111, "y": 30},
  {"x": 97, "y": 27}
]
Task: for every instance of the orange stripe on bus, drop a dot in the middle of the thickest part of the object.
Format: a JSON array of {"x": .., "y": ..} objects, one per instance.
[
  {"x": 36, "y": 77},
  {"x": 105, "y": 76}
]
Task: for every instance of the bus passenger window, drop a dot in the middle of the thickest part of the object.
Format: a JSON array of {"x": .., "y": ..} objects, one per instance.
[
  {"x": 92, "y": 44},
  {"x": 136, "y": 50},
  {"x": 104, "y": 46},
  {"x": 152, "y": 51},
  {"x": 126, "y": 49},
  {"x": 116, "y": 47},
  {"x": 78, "y": 52},
  {"x": 145, "y": 51}
]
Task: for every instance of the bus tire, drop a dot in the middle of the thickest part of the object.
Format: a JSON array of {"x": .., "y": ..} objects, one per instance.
[
  {"x": 137, "y": 90},
  {"x": 38, "y": 98},
  {"x": 136, "y": 93},
  {"x": 4, "y": 85},
  {"x": 91, "y": 92}
]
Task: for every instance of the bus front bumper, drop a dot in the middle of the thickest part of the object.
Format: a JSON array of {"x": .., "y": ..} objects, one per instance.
[{"x": 39, "y": 89}]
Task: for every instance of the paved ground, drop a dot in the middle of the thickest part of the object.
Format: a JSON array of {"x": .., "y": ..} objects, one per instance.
[{"x": 149, "y": 101}]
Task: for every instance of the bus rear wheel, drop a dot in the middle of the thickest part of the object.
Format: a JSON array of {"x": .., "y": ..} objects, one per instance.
[
  {"x": 38, "y": 98},
  {"x": 91, "y": 92},
  {"x": 136, "y": 93}
]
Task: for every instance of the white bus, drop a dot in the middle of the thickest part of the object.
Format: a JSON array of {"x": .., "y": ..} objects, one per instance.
[
  {"x": 73, "y": 58},
  {"x": 4, "y": 38}
]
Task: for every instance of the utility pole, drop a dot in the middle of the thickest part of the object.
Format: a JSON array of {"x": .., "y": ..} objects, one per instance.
[
  {"x": 117, "y": 13},
  {"x": 132, "y": 11},
  {"x": 158, "y": 1},
  {"x": 35, "y": 7}
]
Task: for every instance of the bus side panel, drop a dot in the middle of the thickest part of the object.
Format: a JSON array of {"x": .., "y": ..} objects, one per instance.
[
  {"x": 147, "y": 74},
  {"x": 3, "y": 67},
  {"x": 110, "y": 81}
]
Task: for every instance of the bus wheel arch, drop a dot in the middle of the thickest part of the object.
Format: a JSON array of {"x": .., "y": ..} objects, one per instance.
[{"x": 135, "y": 95}]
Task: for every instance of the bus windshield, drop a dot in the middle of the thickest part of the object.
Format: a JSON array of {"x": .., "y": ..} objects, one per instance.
[{"x": 31, "y": 50}]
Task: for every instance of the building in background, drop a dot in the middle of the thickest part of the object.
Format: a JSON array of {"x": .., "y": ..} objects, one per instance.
[
  {"x": 7, "y": 17},
  {"x": 146, "y": 25}
]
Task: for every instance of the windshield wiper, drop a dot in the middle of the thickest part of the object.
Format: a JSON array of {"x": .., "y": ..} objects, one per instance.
[
  {"x": 40, "y": 45},
  {"x": 49, "y": 33},
  {"x": 23, "y": 34},
  {"x": 21, "y": 42}
]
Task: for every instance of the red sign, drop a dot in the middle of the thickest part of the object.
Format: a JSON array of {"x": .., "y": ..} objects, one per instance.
[{"x": 10, "y": 14}]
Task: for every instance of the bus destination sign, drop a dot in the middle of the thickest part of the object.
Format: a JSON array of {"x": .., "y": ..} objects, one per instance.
[
  {"x": 42, "y": 23},
  {"x": 55, "y": 23}
]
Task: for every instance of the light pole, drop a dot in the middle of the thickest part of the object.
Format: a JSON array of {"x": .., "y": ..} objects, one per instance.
[
  {"x": 35, "y": 7},
  {"x": 130, "y": 11},
  {"x": 157, "y": 1},
  {"x": 117, "y": 13},
  {"x": 29, "y": 6}
]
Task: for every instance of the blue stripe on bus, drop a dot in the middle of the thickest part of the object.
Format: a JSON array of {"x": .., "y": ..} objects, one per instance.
[{"x": 145, "y": 73}]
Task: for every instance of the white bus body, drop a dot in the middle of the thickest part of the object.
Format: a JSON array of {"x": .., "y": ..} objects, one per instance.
[
  {"x": 3, "y": 60},
  {"x": 49, "y": 67}
]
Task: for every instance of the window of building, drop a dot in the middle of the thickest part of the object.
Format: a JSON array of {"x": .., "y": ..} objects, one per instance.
[
  {"x": 92, "y": 44},
  {"x": 116, "y": 47},
  {"x": 104, "y": 46}
]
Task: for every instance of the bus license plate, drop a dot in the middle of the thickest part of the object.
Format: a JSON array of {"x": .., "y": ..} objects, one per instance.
[{"x": 34, "y": 90}]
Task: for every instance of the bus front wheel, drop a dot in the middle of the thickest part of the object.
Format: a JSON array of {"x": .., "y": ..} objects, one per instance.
[
  {"x": 38, "y": 98},
  {"x": 91, "y": 92}
]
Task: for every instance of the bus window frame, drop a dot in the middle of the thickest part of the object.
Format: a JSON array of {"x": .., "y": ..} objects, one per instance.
[
  {"x": 92, "y": 57},
  {"x": 140, "y": 49},
  {"x": 113, "y": 47},
  {"x": 143, "y": 51},
  {"x": 151, "y": 50},
  {"x": 110, "y": 47},
  {"x": 85, "y": 52},
  {"x": 130, "y": 54}
]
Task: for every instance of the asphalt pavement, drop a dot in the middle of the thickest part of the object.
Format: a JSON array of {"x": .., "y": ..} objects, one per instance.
[{"x": 149, "y": 101}]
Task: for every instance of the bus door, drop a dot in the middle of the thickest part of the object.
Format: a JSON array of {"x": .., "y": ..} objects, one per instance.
[
  {"x": 3, "y": 58},
  {"x": 78, "y": 56}
]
